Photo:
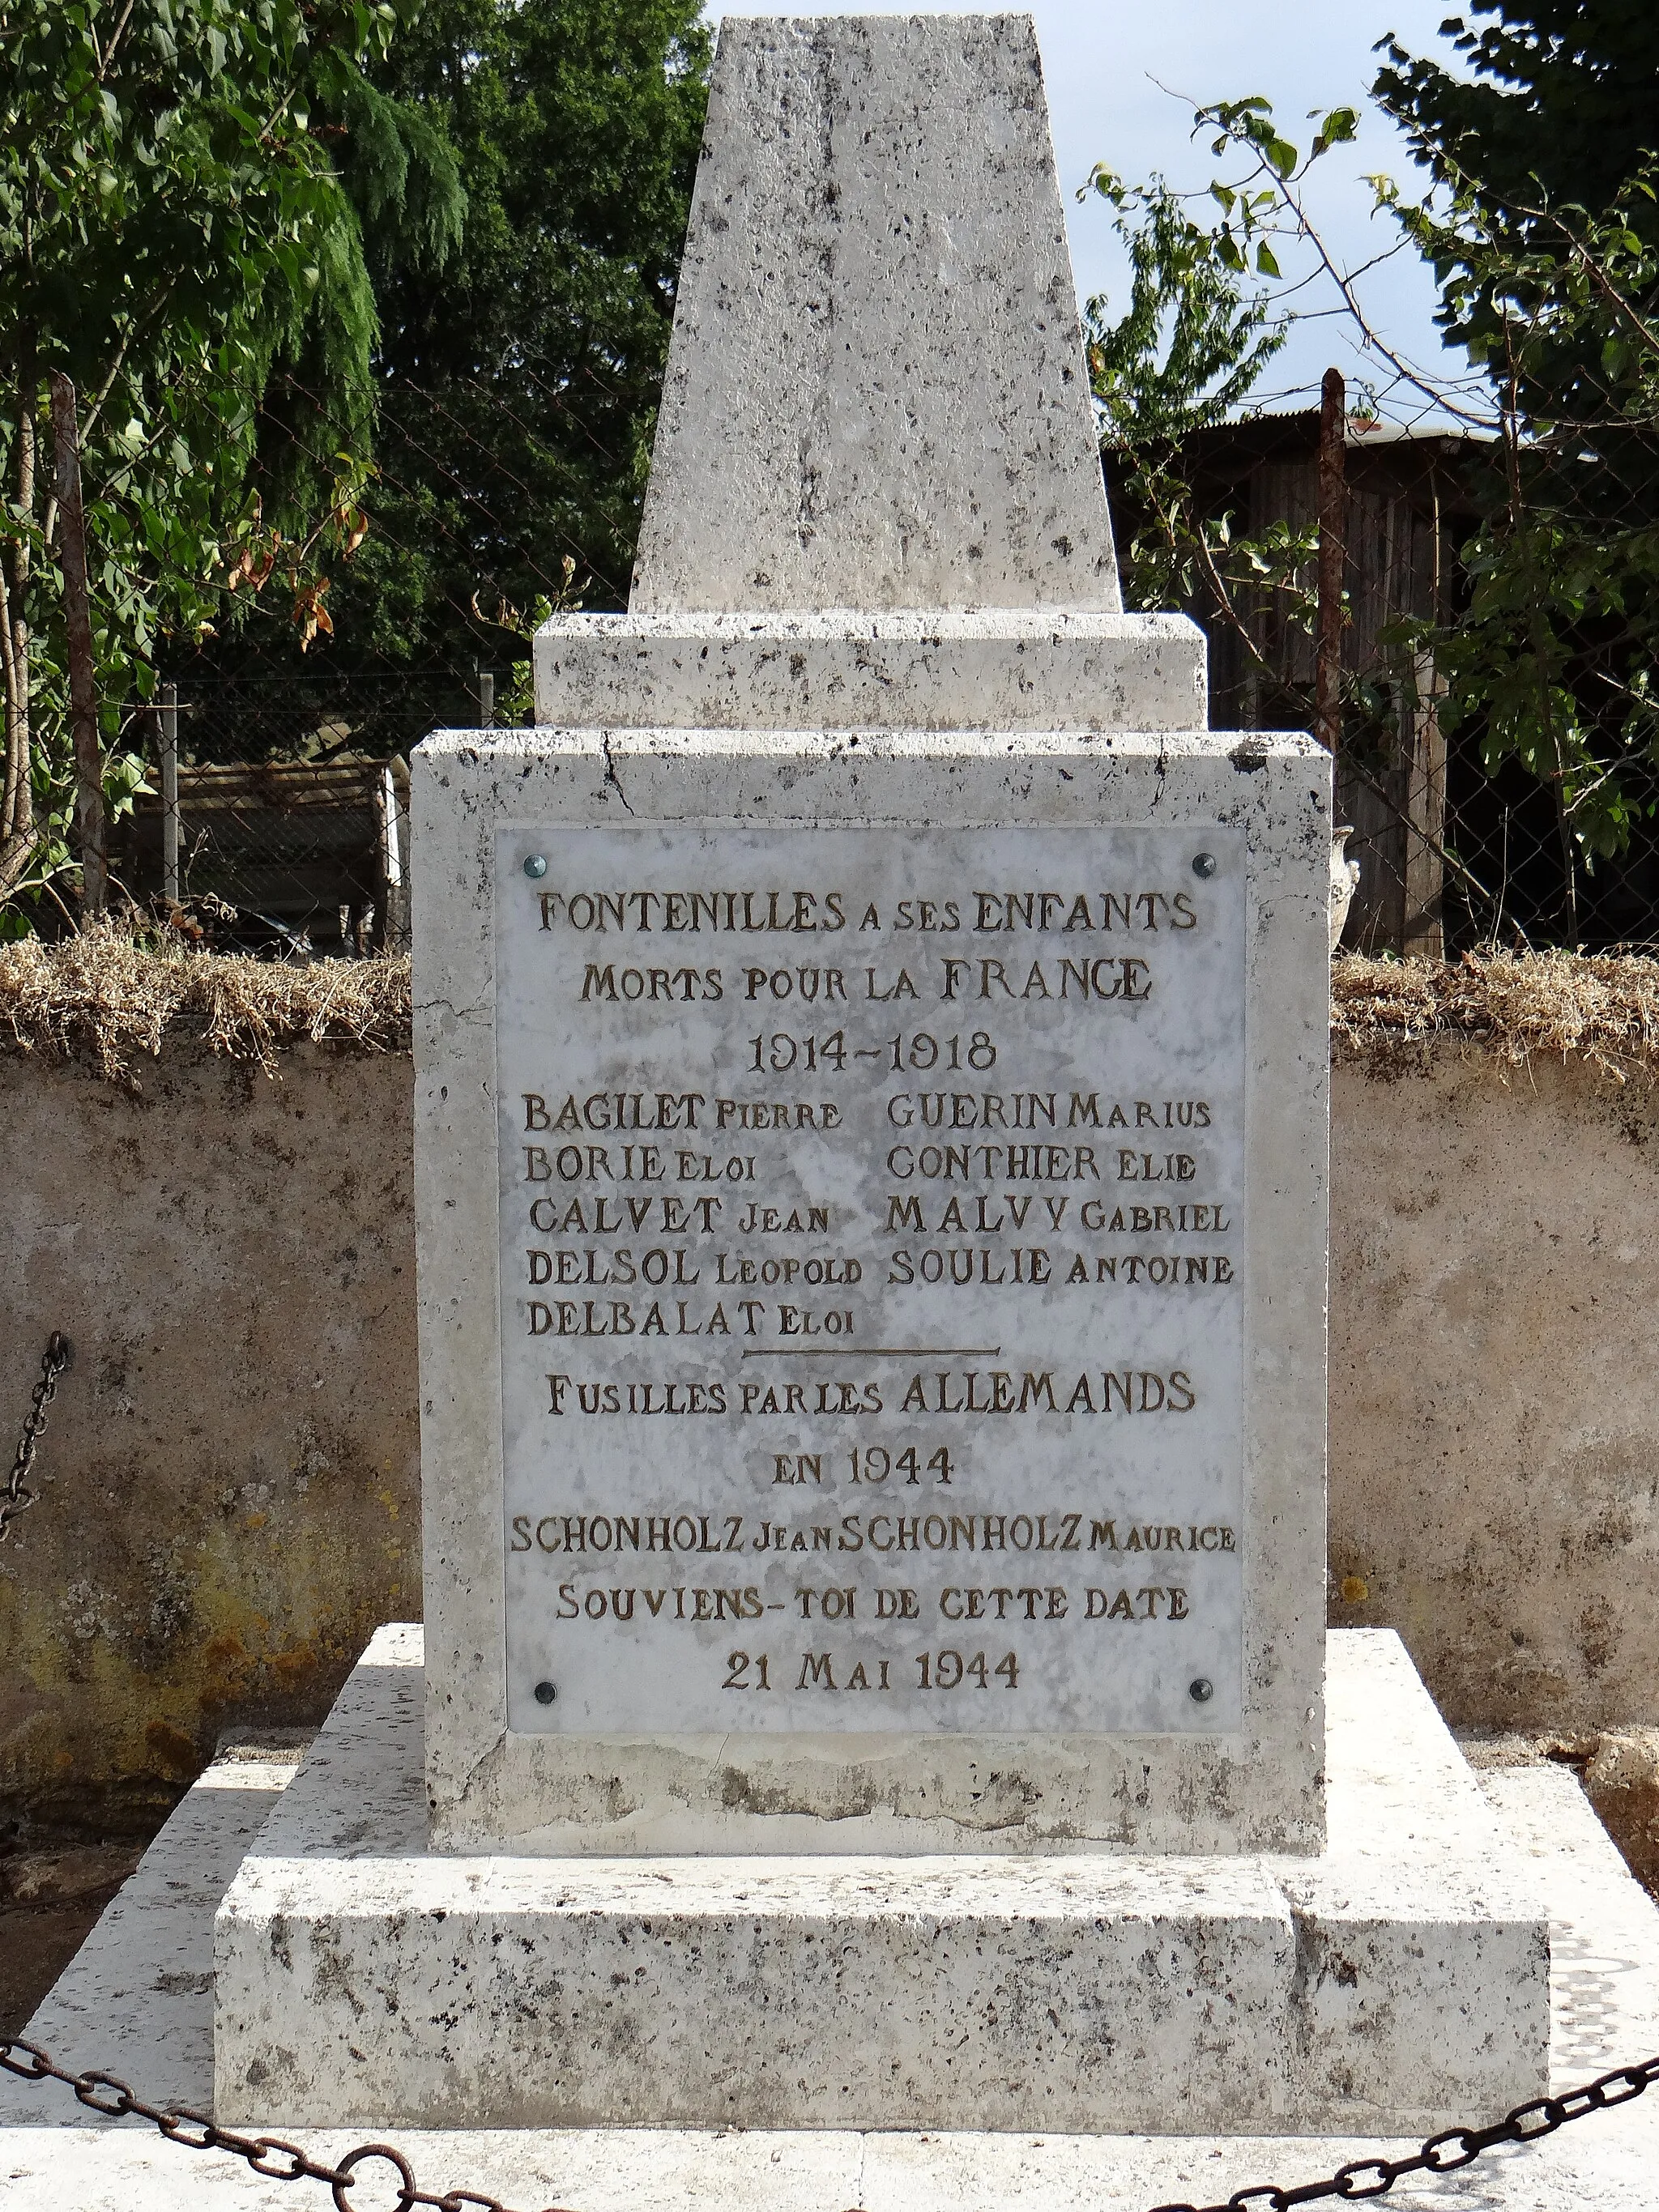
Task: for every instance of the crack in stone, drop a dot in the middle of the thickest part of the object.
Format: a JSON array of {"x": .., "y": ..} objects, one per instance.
[
  {"x": 1160, "y": 769},
  {"x": 611, "y": 774}
]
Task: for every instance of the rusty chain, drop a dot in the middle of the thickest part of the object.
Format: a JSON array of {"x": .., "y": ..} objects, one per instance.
[
  {"x": 1446, "y": 2153},
  {"x": 17, "y": 1494},
  {"x": 266, "y": 2154}
]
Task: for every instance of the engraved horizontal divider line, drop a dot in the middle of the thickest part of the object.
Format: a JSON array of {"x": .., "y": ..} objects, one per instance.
[
  {"x": 555, "y": 1035},
  {"x": 880, "y": 1352}
]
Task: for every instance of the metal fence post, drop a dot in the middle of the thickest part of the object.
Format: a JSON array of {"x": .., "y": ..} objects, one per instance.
[
  {"x": 394, "y": 837},
  {"x": 1424, "y": 935},
  {"x": 486, "y": 699},
  {"x": 170, "y": 793},
  {"x": 1333, "y": 530}
]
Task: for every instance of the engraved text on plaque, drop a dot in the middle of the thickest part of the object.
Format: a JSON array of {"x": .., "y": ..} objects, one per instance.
[{"x": 872, "y": 1219}]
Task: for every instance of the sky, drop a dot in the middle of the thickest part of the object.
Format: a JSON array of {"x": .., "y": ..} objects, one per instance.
[{"x": 1105, "y": 62}]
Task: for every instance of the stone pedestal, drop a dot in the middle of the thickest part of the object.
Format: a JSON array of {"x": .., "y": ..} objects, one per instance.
[
  {"x": 877, "y": 857},
  {"x": 1394, "y": 1983},
  {"x": 1131, "y": 1529}
]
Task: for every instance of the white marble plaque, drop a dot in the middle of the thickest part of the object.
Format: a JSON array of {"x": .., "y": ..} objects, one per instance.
[{"x": 871, "y": 1256}]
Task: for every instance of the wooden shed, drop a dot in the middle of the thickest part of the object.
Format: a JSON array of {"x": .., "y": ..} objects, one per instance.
[
  {"x": 318, "y": 850},
  {"x": 1408, "y": 506}
]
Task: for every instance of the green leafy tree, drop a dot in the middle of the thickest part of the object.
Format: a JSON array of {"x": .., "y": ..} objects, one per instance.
[
  {"x": 1543, "y": 233},
  {"x": 1188, "y": 352},
  {"x": 1554, "y": 306},
  {"x": 517, "y": 394},
  {"x": 1551, "y": 660},
  {"x": 1544, "y": 157},
  {"x": 175, "y": 234},
  {"x": 1556, "y": 100}
]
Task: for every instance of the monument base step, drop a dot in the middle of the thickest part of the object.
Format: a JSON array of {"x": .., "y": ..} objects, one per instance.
[{"x": 1396, "y": 1983}]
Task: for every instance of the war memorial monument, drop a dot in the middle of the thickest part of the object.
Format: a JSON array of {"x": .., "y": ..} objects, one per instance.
[{"x": 871, "y": 1138}]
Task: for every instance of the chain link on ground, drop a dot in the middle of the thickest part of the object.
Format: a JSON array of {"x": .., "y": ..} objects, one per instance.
[
  {"x": 17, "y": 1495},
  {"x": 1448, "y": 2152}
]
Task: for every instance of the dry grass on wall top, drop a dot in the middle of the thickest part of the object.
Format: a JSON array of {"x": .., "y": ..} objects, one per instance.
[
  {"x": 110, "y": 998},
  {"x": 107, "y": 998},
  {"x": 1599, "y": 1008}
]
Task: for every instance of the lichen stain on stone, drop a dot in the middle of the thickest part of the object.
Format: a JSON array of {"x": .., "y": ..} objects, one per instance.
[
  {"x": 331, "y": 1977},
  {"x": 214, "y": 1542},
  {"x": 175, "y": 1751},
  {"x": 595, "y": 1799},
  {"x": 1598, "y": 1636},
  {"x": 855, "y": 1796}
]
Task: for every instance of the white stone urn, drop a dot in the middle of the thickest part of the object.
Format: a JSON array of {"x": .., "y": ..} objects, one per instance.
[{"x": 1345, "y": 880}]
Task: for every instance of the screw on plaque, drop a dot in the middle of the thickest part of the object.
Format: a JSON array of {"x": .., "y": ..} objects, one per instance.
[
  {"x": 536, "y": 866},
  {"x": 1199, "y": 1692},
  {"x": 1203, "y": 864},
  {"x": 545, "y": 1693}
]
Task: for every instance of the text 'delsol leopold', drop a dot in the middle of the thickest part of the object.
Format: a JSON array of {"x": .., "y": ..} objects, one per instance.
[{"x": 874, "y": 1230}]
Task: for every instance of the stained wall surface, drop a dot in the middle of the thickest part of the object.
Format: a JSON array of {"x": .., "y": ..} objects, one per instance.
[
  {"x": 229, "y": 1486},
  {"x": 1494, "y": 1392}
]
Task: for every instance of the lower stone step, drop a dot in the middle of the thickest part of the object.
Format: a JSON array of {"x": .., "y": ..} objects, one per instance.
[{"x": 1396, "y": 1983}]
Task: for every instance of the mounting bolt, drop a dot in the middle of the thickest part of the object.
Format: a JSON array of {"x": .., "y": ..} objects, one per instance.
[
  {"x": 545, "y": 1693},
  {"x": 1203, "y": 864},
  {"x": 536, "y": 866},
  {"x": 1199, "y": 1692}
]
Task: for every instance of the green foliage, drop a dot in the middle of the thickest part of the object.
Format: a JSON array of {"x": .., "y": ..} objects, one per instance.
[
  {"x": 1552, "y": 659},
  {"x": 518, "y": 383},
  {"x": 1557, "y": 98},
  {"x": 174, "y": 233},
  {"x": 1561, "y": 119},
  {"x": 1549, "y": 660},
  {"x": 1190, "y": 350},
  {"x": 1252, "y": 211},
  {"x": 1262, "y": 210},
  {"x": 1190, "y": 347},
  {"x": 1542, "y": 233}
]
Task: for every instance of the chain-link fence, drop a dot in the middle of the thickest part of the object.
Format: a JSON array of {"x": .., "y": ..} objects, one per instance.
[
  {"x": 1489, "y": 664},
  {"x": 275, "y": 812},
  {"x": 1500, "y": 596}
]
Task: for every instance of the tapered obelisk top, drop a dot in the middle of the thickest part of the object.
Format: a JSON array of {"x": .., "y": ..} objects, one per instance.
[{"x": 876, "y": 394}]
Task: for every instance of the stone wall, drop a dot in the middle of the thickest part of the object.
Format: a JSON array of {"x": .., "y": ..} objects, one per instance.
[
  {"x": 230, "y": 1500},
  {"x": 1494, "y": 1408},
  {"x": 229, "y": 1486}
]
